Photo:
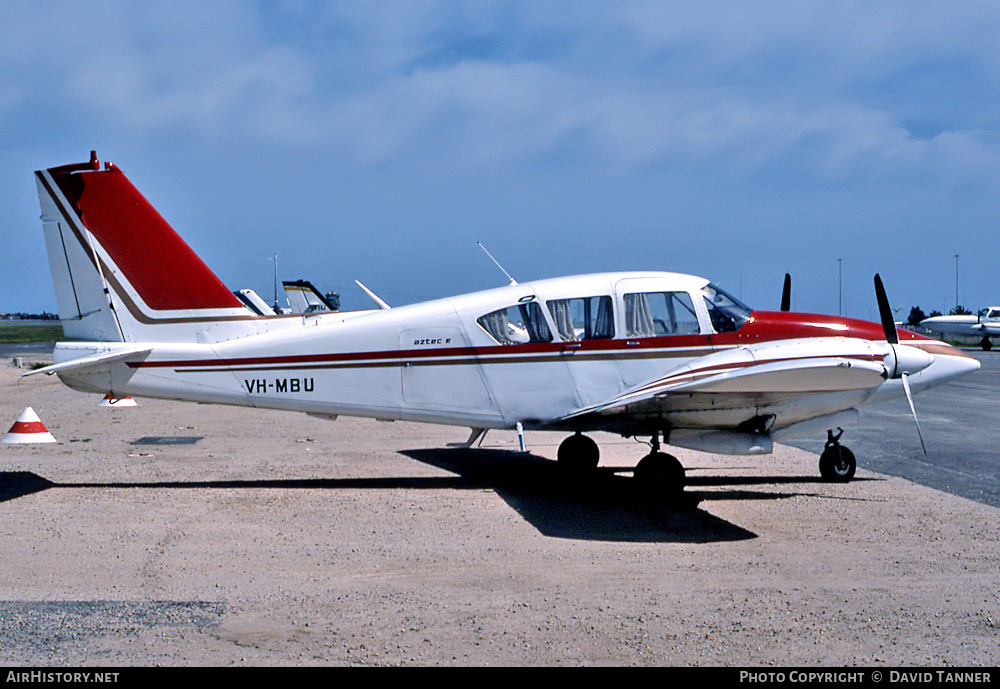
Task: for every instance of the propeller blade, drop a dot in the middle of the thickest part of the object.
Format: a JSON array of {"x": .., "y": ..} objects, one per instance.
[
  {"x": 892, "y": 337},
  {"x": 885, "y": 313},
  {"x": 786, "y": 294},
  {"x": 909, "y": 398}
]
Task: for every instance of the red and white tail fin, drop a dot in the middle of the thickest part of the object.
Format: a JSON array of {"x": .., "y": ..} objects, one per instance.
[{"x": 121, "y": 273}]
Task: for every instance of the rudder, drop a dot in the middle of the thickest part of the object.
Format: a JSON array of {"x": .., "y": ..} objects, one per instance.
[{"x": 120, "y": 272}]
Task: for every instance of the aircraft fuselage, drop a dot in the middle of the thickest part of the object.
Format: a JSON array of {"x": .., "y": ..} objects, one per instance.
[{"x": 437, "y": 362}]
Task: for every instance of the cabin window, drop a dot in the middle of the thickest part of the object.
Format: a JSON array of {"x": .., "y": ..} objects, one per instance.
[
  {"x": 583, "y": 318},
  {"x": 651, "y": 314},
  {"x": 727, "y": 313},
  {"x": 518, "y": 324}
]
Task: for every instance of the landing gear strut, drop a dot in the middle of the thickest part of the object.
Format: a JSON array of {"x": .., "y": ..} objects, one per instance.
[
  {"x": 659, "y": 472},
  {"x": 837, "y": 463}
]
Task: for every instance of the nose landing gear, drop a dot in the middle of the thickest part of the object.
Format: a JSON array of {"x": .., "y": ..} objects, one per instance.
[{"x": 837, "y": 463}]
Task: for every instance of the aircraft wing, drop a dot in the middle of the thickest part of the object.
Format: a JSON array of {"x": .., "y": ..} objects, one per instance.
[{"x": 736, "y": 383}]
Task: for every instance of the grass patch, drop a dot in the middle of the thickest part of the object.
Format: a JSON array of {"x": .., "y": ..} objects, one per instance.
[{"x": 17, "y": 334}]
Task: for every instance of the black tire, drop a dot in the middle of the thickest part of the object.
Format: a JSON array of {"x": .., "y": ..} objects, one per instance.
[
  {"x": 660, "y": 474},
  {"x": 578, "y": 453},
  {"x": 986, "y": 344},
  {"x": 837, "y": 464}
]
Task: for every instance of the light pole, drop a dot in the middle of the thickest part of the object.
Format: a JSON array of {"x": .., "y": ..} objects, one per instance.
[
  {"x": 275, "y": 259},
  {"x": 956, "y": 282},
  {"x": 840, "y": 287}
]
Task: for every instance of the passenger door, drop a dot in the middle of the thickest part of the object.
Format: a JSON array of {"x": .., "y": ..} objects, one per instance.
[
  {"x": 661, "y": 329},
  {"x": 586, "y": 326},
  {"x": 525, "y": 370}
]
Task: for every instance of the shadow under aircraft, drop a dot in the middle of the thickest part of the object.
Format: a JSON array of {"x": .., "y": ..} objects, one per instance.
[{"x": 608, "y": 505}]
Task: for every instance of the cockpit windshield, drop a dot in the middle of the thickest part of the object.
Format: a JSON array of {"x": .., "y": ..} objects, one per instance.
[{"x": 728, "y": 313}]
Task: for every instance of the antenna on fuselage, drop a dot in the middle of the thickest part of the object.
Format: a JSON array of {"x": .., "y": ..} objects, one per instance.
[
  {"x": 371, "y": 295},
  {"x": 512, "y": 280}
]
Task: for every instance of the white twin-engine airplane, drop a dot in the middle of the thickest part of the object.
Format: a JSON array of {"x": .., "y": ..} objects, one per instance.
[
  {"x": 637, "y": 354},
  {"x": 986, "y": 325}
]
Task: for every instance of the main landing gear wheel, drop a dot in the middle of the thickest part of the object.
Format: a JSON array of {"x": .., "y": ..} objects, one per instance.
[
  {"x": 578, "y": 453},
  {"x": 660, "y": 474},
  {"x": 837, "y": 463}
]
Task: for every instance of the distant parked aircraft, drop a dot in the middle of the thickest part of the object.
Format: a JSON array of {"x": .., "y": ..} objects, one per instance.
[
  {"x": 253, "y": 302},
  {"x": 303, "y": 297},
  {"x": 986, "y": 324}
]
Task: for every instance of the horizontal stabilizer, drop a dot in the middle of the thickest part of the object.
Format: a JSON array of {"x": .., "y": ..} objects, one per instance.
[{"x": 91, "y": 361}]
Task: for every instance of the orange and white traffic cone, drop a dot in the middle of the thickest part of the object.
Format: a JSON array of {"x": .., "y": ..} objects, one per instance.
[
  {"x": 112, "y": 401},
  {"x": 28, "y": 429}
]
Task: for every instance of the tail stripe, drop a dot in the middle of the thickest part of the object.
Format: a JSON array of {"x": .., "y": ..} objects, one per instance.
[
  {"x": 110, "y": 276},
  {"x": 130, "y": 231},
  {"x": 122, "y": 274}
]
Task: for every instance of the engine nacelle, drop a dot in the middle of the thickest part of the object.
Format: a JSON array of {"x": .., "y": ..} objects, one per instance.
[
  {"x": 903, "y": 359},
  {"x": 722, "y": 442}
]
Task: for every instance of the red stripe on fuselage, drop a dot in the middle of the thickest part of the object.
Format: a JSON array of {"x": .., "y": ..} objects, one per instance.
[
  {"x": 764, "y": 326},
  {"x": 554, "y": 349}
]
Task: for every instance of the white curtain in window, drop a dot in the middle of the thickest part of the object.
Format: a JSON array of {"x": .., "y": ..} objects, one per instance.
[
  {"x": 496, "y": 325},
  {"x": 563, "y": 317},
  {"x": 538, "y": 329},
  {"x": 638, "y": 318},
  {"x": 604, "y": 326}
]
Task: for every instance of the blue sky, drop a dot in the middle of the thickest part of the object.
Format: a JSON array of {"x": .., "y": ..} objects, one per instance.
[{"x": 381, "y": 141}]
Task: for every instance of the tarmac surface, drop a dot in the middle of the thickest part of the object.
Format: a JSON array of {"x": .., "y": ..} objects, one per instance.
[
  {"x": 178, "y": 534},
  {"x": 960, "y": 423}
]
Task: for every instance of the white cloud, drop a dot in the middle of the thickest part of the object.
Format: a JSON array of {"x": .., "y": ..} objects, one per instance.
[
  {"x": 784, "y": 95},
  {"x": 741, "y": 84}
]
